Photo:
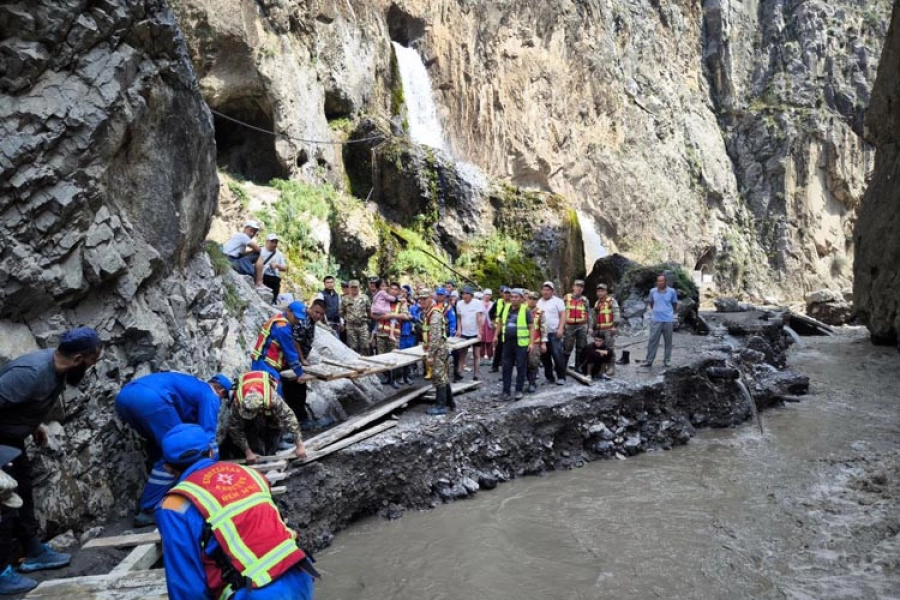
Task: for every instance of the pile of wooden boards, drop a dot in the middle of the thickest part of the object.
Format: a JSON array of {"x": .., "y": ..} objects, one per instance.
[{"x": 328, "y": 369}]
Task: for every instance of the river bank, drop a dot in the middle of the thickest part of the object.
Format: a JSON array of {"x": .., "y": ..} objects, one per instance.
[{"x": 807, "y": 510}]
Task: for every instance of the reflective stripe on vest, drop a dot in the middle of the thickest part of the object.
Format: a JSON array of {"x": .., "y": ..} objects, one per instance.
[
  {"x": 236, "y": 503},
  {"x": 523, "y": 334},
  {"x": 390, "y": 327},
  {"x": 269, "y": 350},
  {"x": 576, "y": 310},
  {"x": 257, "y": 382},
  {"x": 604, "y": 314},
  {"x": 537, "y": 316}
]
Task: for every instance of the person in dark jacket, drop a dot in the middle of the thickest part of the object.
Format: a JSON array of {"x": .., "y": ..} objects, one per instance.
[
  {"x": 332, "y": 301},
  {"x": 29, "y": 388}
]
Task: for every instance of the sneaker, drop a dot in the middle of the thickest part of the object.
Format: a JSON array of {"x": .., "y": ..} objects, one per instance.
[
  {"x": 145, "y": 518},
  {"x": 436, "y": 411},
  {"x": 519, "y": 395},
  {"x": 476, "y": 378},
  {"x": 561, "y": 381},
  {"x": 457, "y": 377},
  {"x": 531, "y": 388},
  {"x": 646, "y": 365},
  {"x": 506, "y": 397},
  {"x": 47, "y": 559},
  {"x": 13, "y": 583},
  {"x": 667, "y": 364},
  {"x": 395, "y": 385}
]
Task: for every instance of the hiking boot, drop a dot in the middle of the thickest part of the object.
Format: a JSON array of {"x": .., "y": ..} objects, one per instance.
[
  {"x": 13, "y": 583},
  {"x": 48, "y": 559},
  {"x": 144, "y": 518}
]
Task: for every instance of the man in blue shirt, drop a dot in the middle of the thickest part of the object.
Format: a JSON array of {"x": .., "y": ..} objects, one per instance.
[
  {"x": 663, "y": 301},
  {"x": 154, "y": 404}
]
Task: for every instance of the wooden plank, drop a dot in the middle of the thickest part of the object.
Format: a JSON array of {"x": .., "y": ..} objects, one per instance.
[
  {"x": 275, "y": 476},
  {"x": 384, "y": 363},
  {"x": 459, "y": 388},
  {"x": 334, "y": 363},
  {"x": 124, "y": 541},
  {"x": 278, "y": 490},
  {"x": 141, "y": 558},
  {"x": 417, "y": 351},
  {"x": 264, "y": 467},
  {"x": 578, "y": 376},
  {"x": 134, "y": 585},
  {"x": 346, "y": 442},
  {"x": 361, "y": 420}
]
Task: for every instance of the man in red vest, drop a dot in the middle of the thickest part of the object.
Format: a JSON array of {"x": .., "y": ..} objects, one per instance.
[
  {"x": 607, "y": 318},
  {"x": 576, "y": 323},
  {"x": 275, "y": 349},
  {"x": 222, "y": 535}
]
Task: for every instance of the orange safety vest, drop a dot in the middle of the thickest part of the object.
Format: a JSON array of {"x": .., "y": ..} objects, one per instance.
[
  {"x": 237, "y": 505},
  {"x": 603, "y": 318},
  {"x": 257, "y": 382},
  {"x": 391, "y": 327},
  {"x": 537, "y": 314},
  {"x": 270, "y": 351},
  {"x": 576, "y": 310}
]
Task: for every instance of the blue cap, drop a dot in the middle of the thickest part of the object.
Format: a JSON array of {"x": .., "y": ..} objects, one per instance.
[
  {"x": 81, "y": 339},
  {"x": 185, "y": 444},
  {"x": 223, "y": 381},
  {"x": 408, "y": 288},
  {"x": 298, "y": 309},
  {"x": 440, "y": 291}
]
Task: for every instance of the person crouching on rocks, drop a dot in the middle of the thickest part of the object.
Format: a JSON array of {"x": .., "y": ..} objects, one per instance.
[
  {"x": 598, "y": 358},
  {"x": 259, "y": 416}
]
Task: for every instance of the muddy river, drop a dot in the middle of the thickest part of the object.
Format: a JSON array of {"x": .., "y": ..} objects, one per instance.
[{"x": 807, "y": 510}]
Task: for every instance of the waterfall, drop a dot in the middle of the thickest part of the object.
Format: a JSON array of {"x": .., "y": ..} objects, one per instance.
[
  {"x": 421, "y": 111},
  {"x": 422, "y": 116},
  {"x": 593, "y": 243}
]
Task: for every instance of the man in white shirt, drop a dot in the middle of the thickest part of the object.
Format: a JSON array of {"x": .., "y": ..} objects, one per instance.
[
  {"x": 242, "y": 251},
  {"x": 270, "y": 265},
  {"x": 471, "y": 318},
  {"x": 554, "y": 309}
]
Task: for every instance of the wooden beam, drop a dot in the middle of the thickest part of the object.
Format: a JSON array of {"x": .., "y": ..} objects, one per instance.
[
  {"x": 334, "y": 363},
  {"x": 134, "y": 585},
  {"x": 141, "y": 558},
  {"x": 362, "y": 435},
  {"x": 124, "y": 541},
  {"x": 361, "y": 420},
  {"x": 578, "y": 376},
  {"x": 275, "y": 476},
  {"x": 373, "y": 360}
]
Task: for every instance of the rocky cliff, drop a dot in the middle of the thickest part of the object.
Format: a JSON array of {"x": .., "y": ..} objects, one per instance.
[
  {"x": 723, "y": 134},
  {"x": 876, "y": 291}
]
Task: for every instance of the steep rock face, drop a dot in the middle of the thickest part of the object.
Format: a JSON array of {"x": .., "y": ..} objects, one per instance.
[
  {"x": 288, "y": 67},
  {"x": 876, "y": 287},
  {"x": 724, "y": 134},
  {"x": 107, "y": 186}
]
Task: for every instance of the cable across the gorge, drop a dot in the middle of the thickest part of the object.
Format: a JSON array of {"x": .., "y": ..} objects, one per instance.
[{"x": 259, "y": 129}]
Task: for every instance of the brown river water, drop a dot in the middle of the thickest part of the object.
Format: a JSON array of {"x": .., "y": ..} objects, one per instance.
[{"x": 807, "y": 510}]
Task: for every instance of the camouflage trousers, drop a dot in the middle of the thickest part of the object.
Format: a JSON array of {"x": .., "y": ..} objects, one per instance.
[
  {"x": 358, "y": 338},
  {"x": 440, "y": 366},
  {"x": 384, "y": 344},
  {"x": 575, "y": 338},
  {"x": 534, "y": 363}
]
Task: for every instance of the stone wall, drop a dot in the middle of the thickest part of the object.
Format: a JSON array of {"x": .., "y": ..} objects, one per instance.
[{"x": 876, "y": 289}]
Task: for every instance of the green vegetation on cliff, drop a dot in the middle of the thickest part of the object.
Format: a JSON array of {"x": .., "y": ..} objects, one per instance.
[{"x": 499, "y": 260}]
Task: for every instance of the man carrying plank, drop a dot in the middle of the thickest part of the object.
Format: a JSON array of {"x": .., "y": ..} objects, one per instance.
[{"x": 222, "y": 536}]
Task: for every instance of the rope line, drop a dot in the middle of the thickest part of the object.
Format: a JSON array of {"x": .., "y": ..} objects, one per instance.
[{"x": 331, "y": 142}]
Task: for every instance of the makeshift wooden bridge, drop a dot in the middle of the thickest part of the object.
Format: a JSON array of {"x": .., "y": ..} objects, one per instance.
[{"x": 329, "y": 369}]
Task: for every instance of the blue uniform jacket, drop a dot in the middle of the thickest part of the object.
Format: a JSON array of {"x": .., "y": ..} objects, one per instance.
[
  {"x": 193, "y": 399},
  {"x": 284, "y": 335},
  {"x": 181, "y": 528}
]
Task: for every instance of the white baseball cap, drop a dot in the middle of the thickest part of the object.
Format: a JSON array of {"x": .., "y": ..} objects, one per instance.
[
  {"x": 487, "y": 292},
  {"x": 255, "y": 225},
  {"x": 272, "y": 237}
]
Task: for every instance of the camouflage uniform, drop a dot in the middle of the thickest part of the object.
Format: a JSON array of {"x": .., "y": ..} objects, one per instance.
[
  {"x": 355, "y": 311},
  {"x": 262, "y": 422},
  {"x": 538, "y": 337},
  {"x": 436, "y": 346}
]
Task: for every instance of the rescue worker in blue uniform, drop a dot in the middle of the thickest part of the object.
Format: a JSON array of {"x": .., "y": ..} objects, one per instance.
[
  {"x": 250, "y": 554},
  {"x": 154, "y": 404},
  {"x": 275, "y": 349}
]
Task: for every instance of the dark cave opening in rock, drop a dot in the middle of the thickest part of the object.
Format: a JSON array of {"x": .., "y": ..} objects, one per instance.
[
  {"x": 404, "y": 28},
  {"x": 244, "y": 151}
]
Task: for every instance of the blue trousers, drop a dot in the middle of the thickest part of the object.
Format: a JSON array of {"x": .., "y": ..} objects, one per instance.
[
  {"x": 293, "y": 585},
  {"x": 148, "y": 414}
]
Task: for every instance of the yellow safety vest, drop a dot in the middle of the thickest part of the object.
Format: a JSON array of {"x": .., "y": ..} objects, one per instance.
[{"x": 523, "y": 334}]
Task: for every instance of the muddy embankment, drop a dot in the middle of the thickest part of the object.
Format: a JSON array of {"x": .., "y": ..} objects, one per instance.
[{"x": 426, "y": 461}]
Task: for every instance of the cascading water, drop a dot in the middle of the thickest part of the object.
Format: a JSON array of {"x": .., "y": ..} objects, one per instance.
[
  {"x": 593, "y": 243},
  {"x": 422, "y": 115}
]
